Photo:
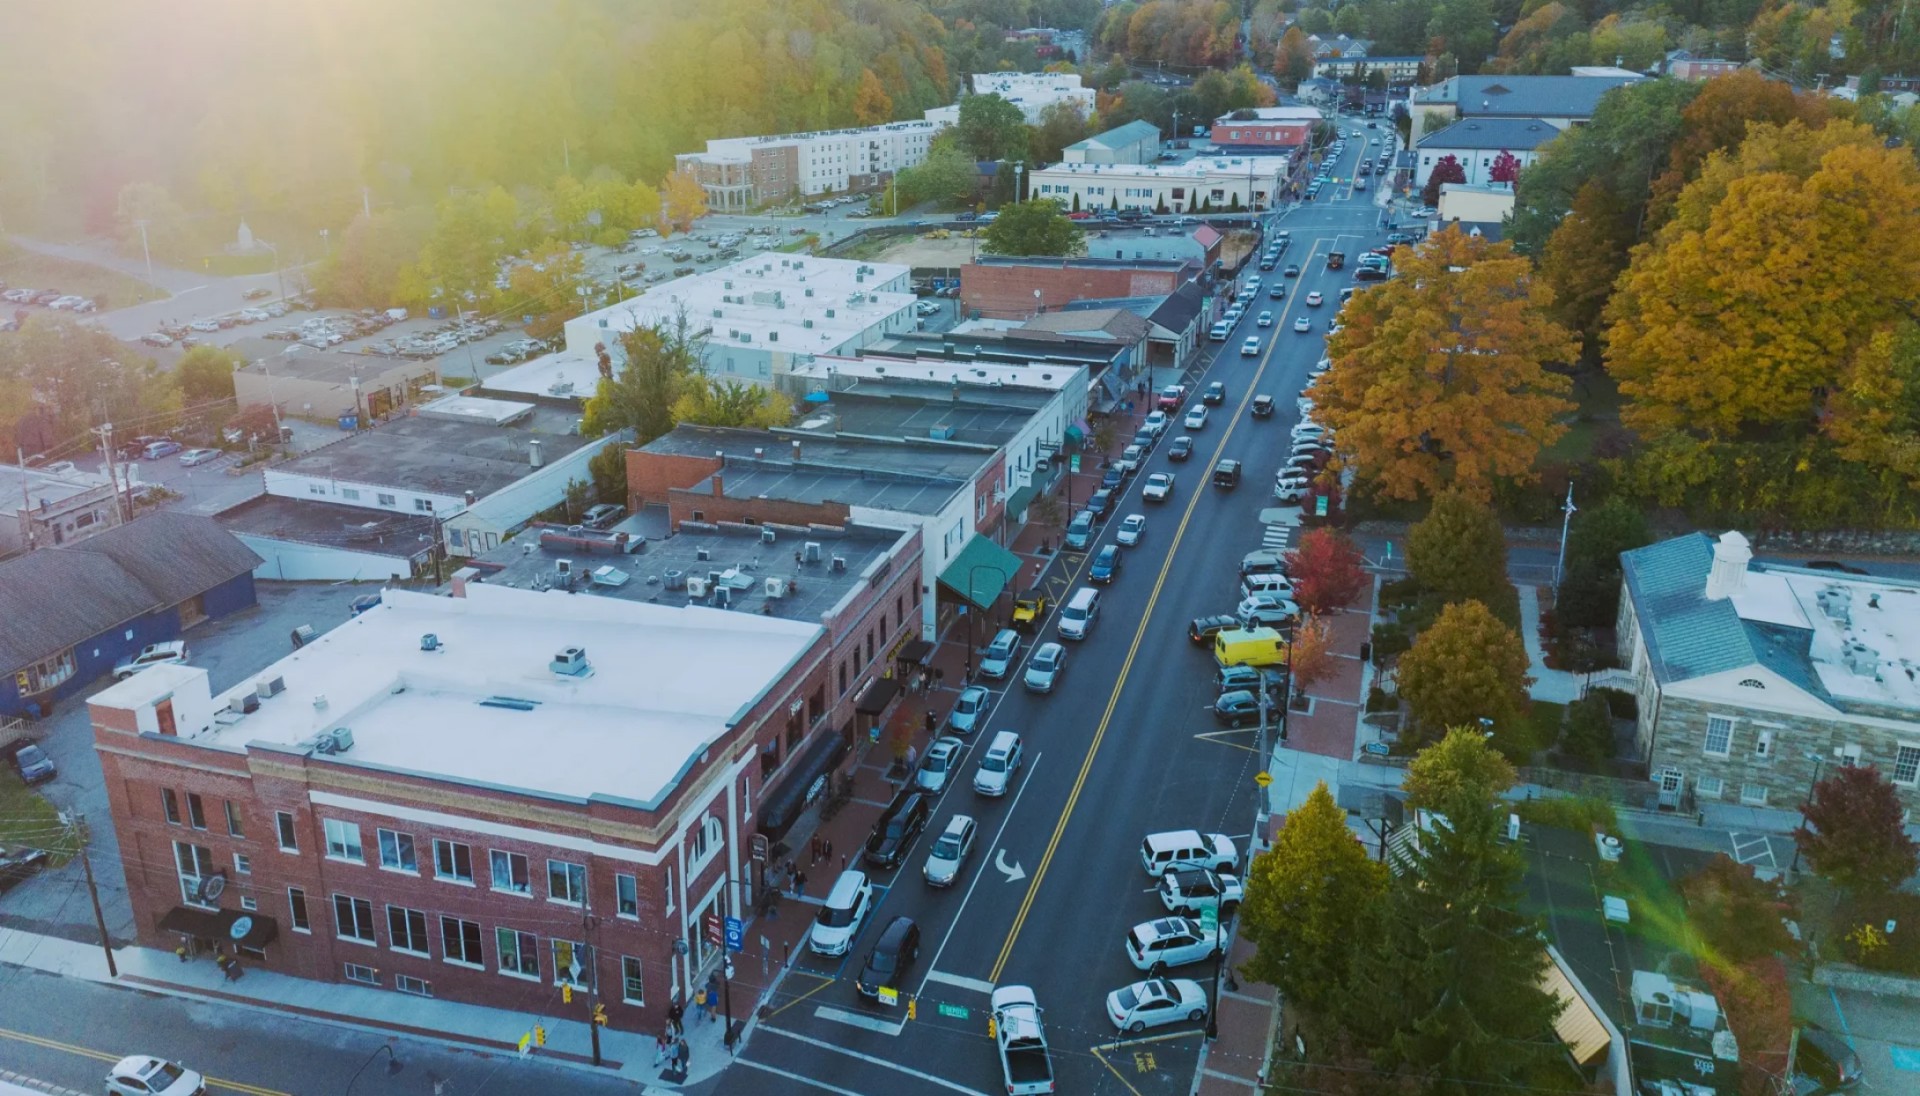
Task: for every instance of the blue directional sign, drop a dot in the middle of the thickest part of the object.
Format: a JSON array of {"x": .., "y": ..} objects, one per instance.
[{"x": 736, "y": 934}]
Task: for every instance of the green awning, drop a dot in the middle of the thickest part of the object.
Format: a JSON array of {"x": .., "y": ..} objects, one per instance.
[
  {"x": 1021, "y": 499},
  {"x": 981, "y": 572}
]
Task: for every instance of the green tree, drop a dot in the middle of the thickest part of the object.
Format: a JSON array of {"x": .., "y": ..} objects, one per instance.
[
  {"x": 1589, "y": 595},
  {"x": 471, "y": 231},
  {"x": 1461, "y": 763},
  {"x": 991, "y": 128},
  {"x": 545, "y": 288},
  {"x": 369, "y": 264},
  {"x": 608, "y": 468},
  {"x": 1588, "y": 732},
  {"x": 1458, "y": 552},
  {"x": 77, "y": 376},
  {"x": 1583, "y": 257},
  {"x": 1448, "y": 991},
  {"x": 1854, "y": 833},
  {"x": 1315, "y": 21},
  {"x": 1349, "y": 21},
  {"x": 1061, "y": 124},
  {"x": 205, "y": 374},
  {"x": 1467, "y": 667},
  {"x": 1038, "y": 227},
  {"x": 659, "y": 364},
  {"x": 1465, "y": 29},
  {"x": 1310, "y": 900},
  {"x": 706, "y": 401},
  {"x": 1293, "y": 62},
  {"x": 945, "y": 178},
  {"x": 1737, "y": 913}
]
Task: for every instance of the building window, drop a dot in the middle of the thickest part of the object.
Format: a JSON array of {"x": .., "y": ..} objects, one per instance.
[
  {"x": 1719, "y": 735},
  {"x": 407, "y": 930},
  {"x": 196, "y": 812},
  {"x": 627, "y": 896},
  {"x": 365, "y": 975},
  {"x": 170, "y": 803},
  {"x": 460, "y": 942},
  {"x": 242, "y": 865},
  {"x": 424, "y": 506},
  {"x": 353, "y": 918},
  {"x": 1763, "y": 745},
  {"x": 631, "y": 988},
  {"x": 668, "y": 875},
  {"x": 1906, "y": 766},
  {"x": 706, "y": 842},
  {"x": 407, "y": 983},
  {"x": 567, "y": 882},
  {"x": 283, "y": 823},
  {"x": 565, "y": 953},
  {"x": 248, "y": 903},
  {"x": 519, "y": 953},
  {"x": 383, "y": 498},
  {"x": 1754, "y": 795},
  {"x": 1711, "y": 787},
  {"x": 194, "y": 864},
  {"x": 234, "y": 826},
  {"x": 297, "y": 910},
  {"x": 351, "y": 494},
  {"x": 396, "y": 850},
  {"x": 452, "y": 862},
  {"x": 343, "y": 841},
  {"x": 49, "y": 672},
  {"x": 510, "y": 873}
]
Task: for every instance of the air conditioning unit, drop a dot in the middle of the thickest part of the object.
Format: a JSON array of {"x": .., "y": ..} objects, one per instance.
[
  {"x": 810, "y": 551},
  {"x": 696, "y": 587},
  {"x": 776, "y": 587},
  {"x": 244, "y": 703},
  {"x": 571, "y": 662},
  {"x": 722, "y": 597},
  {"x": 676, "y": 580},
  {"x": 271, "y": 687},
  {"x": 767, "y": 536},
  {"x": 342, "y": 739},
  {"x": 563, "y": 567},
  {"x": 839, "y": 564},
  {"x": 702, "y": 554}
]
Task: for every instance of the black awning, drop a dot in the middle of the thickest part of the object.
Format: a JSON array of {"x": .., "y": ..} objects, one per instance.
[
  {"x": 914, "y": 652},
  {"x": 253, "y": 930},
  {"x": 782, "y": 803},
  {"x": 877, "y": 695}
]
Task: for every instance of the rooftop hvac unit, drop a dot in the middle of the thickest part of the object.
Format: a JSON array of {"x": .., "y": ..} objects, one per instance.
[
  {"x": 810, "y": 551},
  {"x": 776, "y": 587},
  {"x": 715, "y": 579},
  {"x": 271, "y": 687},
  {"x": 430, "y": 642},
  {"x": 342, "y": 739},
  {"x": 676, "y": 580},
  {"x": 767, "y": 536},
  {"x": 722, "y": 597},
  {"x": 696, "y": 587},
  {"x": 806, "y": 323},
  {"x": 321, "y": 743},
  {"x": 244, "y": 703},
  {"x": 839, "y": 564},
  {"x": 571, "y": 662},
  {"x": 563, "y": 567},
  {"x": 702, "y": 554}
]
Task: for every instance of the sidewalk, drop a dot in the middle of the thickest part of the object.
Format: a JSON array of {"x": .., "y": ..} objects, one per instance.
[{"x": 1558, "y": 686}]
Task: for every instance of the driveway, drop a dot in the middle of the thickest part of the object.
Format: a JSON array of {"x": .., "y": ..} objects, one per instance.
[{"x": 231, "y": 649}]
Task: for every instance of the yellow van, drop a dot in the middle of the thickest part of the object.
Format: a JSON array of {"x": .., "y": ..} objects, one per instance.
[{"x": 1250, "y": 647}]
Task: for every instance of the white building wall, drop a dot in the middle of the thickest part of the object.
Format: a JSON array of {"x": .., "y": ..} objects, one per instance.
[
  {"x": 1477, "y": 162},
  {"x": 483, "y": 526},
  {"x": 291, "y": 561},
  {"x": 1145, "y": 189},
  {"x": 374, "y": 496}
]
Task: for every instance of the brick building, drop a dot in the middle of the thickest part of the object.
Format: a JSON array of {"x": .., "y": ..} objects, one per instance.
[
  {"x": 1006, "y": 287},
  {"x": 463, "y": 797}
]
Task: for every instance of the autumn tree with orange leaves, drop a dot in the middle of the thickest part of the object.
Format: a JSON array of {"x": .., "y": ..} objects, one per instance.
[{"x": 1439, "y": 375}]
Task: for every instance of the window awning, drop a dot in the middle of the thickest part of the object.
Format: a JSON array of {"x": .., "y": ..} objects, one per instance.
[
  {"x": 783, "y": 803},
  {"x": 1021, "y": 498},
  {"x": 254, "y": 930},
  {"x": 914, "y": 652},
  {"x": 877, "y": 695},
  {"x": 981, "y": 572}
]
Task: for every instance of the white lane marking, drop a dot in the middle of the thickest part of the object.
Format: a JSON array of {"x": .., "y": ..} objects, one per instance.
[
  {"x": 978, "y": 985},
  {"x": 824, "y": 1045},
  {"x": 777, "y": 1072},
  {"x": 871, "y": 1023},
  {"x": 1032, "y": 767}
]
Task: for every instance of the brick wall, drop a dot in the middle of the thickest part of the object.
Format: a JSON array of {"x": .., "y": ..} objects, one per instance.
[
  {"x": 1006, "y": 292},
  {"x": 650, "y": 476},
  {"x": 682, "y": 505}
]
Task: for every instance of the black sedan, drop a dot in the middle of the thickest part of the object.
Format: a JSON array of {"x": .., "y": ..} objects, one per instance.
[
  {"x": 896, "y": 828},
  {"x": 17, "y": 863},
  {"x": 1203, "y": 629},
  {"x": 1237, "y": 709},
  {"x": 1181, "y": 449}
]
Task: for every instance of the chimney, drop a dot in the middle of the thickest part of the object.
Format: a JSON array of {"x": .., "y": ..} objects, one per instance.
[
  {"x": 796, "y": 449},
  {"x": 1729, "y": 574},
  {"x": 718, "y": 491},
  {"x": 533, "y": 452}
]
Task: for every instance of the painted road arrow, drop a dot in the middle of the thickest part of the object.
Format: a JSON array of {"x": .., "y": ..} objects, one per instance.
[{"x": 1014, "y": 874}]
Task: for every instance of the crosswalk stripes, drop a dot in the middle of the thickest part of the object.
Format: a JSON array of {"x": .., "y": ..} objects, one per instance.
[{"x": 1276, "y": 538}]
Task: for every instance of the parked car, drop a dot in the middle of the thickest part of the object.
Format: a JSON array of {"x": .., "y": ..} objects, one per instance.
[
  {"x": 18, "y": 863},
  {"x": 1046, "y": 665},
  {"x": 1172, "y": 942},
  {"x": 194, "y": 457},
  {"x": 1132, "y": 527},
  {"x": 1202, "y": 629},
  {"x": 1135, "y": 1008},
  {"x": 1825, "y": 1059},
  {"x": 171, "y": 652},
  {"x": 602, "y": 515},
  {"x": 1080, "y": 529},
  {"x": 950, "y": 851},
  {"x": 968, "y": 709},
  {"x": 1158, "y": 488},
  {"x": 160, "y": 449},
  {"x": 896, "y": 828},
  {"x": 145, "y": 1075},
  {"x": 1238, "y": 708},
  {"x": 1156, "y": 423},
  {"x": 1099, "y": 503},
  {"x": 998, "y": 658},
  {"x": 33, "y": 764},
  {"x": 1106, "y": 565},
  {"x": 942, "y": 756}
]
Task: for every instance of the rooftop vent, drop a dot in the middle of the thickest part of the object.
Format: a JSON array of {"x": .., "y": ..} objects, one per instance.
[
  {"x": 342, "y": 739},
  {"x": 1862, "y": 660},
  {"x": 810, "y": 551},
  {"x": 571, "y": 662},
  {"x": 1837, "y": 603},
  {"x": 430, "y": 642}
]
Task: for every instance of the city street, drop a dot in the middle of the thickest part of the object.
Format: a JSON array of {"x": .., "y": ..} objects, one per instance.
[{"x": 1128, "y": 747}]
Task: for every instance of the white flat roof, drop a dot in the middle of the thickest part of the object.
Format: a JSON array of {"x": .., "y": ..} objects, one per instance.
[
  {"x": 1878, "y": 621},
  {"x": 1200, "y": 167},
  {"x": 551, "y": 374},
  {"x": 1272, "y": 114},
  {"x": 794, "y": 303},
  {"x": 476, "y": 409},
  {"x": 1037, "y": 376},
  {"x": 669, "y": 681}
]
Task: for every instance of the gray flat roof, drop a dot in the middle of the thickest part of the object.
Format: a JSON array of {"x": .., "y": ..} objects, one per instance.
[
  {"x": 879, "y": 461},
  {"x": 440, "y": 456},
  {"x": 737, "y": 551},
  {"x": 329, "y": 524},
  {"x": 911, "y": 418}
]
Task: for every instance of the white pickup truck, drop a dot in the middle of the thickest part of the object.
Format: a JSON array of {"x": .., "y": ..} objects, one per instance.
[{"x": 1022, "y": 1041}]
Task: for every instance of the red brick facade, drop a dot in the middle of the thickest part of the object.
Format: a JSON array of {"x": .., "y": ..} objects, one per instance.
[
  {"x": 1276, "y": 136},
  {"x": 649, "y": 874},
  {"x": 651, "y": 476},
  {"x": 1005, "y": 291}
]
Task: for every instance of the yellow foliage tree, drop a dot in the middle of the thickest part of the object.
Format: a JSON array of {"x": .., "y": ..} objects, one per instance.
[
  {"x": 871, "y": 103},
  {"x": 1780, "y": 264},
  {"x": 1439, "y": 375},
  {"x": 686, "y": 202}
]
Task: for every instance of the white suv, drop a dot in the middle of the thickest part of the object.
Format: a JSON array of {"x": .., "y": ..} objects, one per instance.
[{"x": 1173, "y": 942}]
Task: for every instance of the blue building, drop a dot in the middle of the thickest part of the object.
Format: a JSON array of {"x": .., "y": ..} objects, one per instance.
[{"x": 67, "y": 614}]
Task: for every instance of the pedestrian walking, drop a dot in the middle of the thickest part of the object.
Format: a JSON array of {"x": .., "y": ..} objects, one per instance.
[
  {"x": 913, "y": 754},
  {"x": 662, "y": 1049},
  {"x": 684, "y": 1054},
  {"x": 826, "y": 849},
  {"x": 813, "y": 849},
  {"x": 799, "y": 884},
  {"x": 713, "y": 995},
  {"x": 700, "y": 1005},
  {"x": 931, "y": 724},
  {"x": 674, "y": 1014}
]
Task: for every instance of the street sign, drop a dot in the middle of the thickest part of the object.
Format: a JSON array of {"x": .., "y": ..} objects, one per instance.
[
  {"x": 1377, "y": 749},
  {"x": 953, "y": 1012},
  {"x": 1073, "y": 463},
  {"x": 736, "y": 934},
  {"x": 888, "y": 995},
  {"x": 759, "y": 846},
  {"x": 1209, "y": 921},
  {"x": 715, "y": 934},
  {"x": 1320, "y": 506},
  {"x": 873, "y": 733},
  {"x": 1263, "y": 778}
]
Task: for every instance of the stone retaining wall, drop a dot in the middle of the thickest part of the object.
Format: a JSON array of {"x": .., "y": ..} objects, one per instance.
[{"x": 1847, "y": 976}]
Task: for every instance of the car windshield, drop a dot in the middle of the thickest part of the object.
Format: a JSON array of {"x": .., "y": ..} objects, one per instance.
[
  {"x": 165, "y": 1076},
  {"x": 30, "y": 755},
  {"x": 1044, "y": 660},
  {"x": 835, "y": 917},
  {"x": 880, "y": 962},
  {"x": 993, "y": 763},
  {"x": 947, "y": 848},
  {"x": 937, "y": 762},
  {"x": 897, "y": 827},
  {"x": 966, "y": 705}
]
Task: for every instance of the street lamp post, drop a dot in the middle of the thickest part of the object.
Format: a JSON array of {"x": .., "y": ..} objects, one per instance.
[
  {"x": 278, "y": 276},
  {"x": 394, "y": 1065},
  {"x": 1819, "y": 760},
  {"x": 1567, "y": 511}
]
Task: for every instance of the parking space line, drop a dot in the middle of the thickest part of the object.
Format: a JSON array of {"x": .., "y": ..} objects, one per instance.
[
  {"x": 872, "y": 1060},
  {"x": 1032, "y": 767},
  {"x": 859, "y": 1020},
  {"x": 978, "y": 985}
]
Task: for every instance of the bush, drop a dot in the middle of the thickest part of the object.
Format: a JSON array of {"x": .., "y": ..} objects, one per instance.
[
  {"x": 1399, "y": 593},
  {"x": 1581, "y": 814},
  {"x": 1588, "y": 732},
  {"x": 1620, "y": 703},
  {"x": 1389, "y": 640},
  {"x": 1379, "y": 700},
  {"x": 1868, "y": 944}
]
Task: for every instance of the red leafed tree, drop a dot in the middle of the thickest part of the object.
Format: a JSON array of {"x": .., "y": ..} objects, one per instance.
[
  {"x": 1327, "y": 571},
  {"x": 1853, "y": 834},
  {"x": 1505, "y": 168},
  {"x": 1447, "y": 170}
]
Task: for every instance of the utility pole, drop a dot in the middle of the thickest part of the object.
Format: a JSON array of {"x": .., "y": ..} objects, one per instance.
[
  {"x": 121, "y": 504},
  {"x": 593, "y": 981},
  {"x": 1567, "y": 511},
  {"x": 144, "y": 249},
  {"x": 93, "y": 892},
  {"x": 26, "y": 499}
]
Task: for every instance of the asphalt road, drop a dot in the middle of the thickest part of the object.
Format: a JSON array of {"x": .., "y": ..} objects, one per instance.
[{"x": 1124, "y": 747}]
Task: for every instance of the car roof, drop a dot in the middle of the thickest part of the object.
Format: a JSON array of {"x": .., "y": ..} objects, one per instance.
[{"x": 895, "y": 932}]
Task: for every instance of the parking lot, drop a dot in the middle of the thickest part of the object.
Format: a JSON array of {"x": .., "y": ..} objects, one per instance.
[{"x": 231, "y": 649}]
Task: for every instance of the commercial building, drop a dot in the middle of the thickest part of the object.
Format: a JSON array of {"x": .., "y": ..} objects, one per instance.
[
  {"x": 1338, "y": 45},
  {"x": 71, "y": 612},
  {"x": 756, "y": 317},
  {"x": 1014, "y": 287},
  {"x": 1266, "y": 129},
  {"x": 486, "y": 797},
  {"x": 1032, "y": 92},
  {"x": 54, "y": 505},
  {"x": 1348, "y": 67},
  {"x": 1889, "y": 84},
  {"x": 741, "y": 173},
  {"x": 1197, "y": 246},
  {"x": 1477, "y": 142},
  {"x": 1753, "y": 678},
  {"x": 1133, "y": 143},
  {"x": 1470, "y": 204},
  {"x": 1559, "y": 101},
  {"x": 327, "y": 385},
  {"x": 1202, "y": 185}
]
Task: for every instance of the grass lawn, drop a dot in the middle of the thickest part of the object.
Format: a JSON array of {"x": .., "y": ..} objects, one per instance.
[
  {"x": 110, "y": 289},
  {"x": 27, "y": 819},
  {"x": 1543, "y": 721}
]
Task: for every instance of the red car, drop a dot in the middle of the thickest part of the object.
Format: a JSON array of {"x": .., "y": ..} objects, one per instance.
[
  {"x": 1172, "y": 397},
  {"x": 1080, "y": 215}
]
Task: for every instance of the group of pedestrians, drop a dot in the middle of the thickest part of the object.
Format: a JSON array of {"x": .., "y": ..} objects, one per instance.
[{"x": 670, "y": 1046}]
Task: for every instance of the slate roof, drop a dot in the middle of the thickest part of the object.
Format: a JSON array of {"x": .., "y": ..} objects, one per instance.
[
  {"x": 1687, "y": 635},
  {"x": 1521, "y": 134},
  {"x": 54, "y": 598},
  {"x": 1179, "y": 308},
  {"x": 1523, "y": 96},
  {"x": 1121, "y": 136}
]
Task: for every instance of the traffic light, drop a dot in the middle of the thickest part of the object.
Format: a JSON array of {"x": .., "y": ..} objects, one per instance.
[
  {"x": 539, "y": 1035},
  {"x": 912, "y": 1007},
  {"x": 990, "y": 1027},
  {"x": 566, "y": 994},
  {"x": 600, "y": 1015}
]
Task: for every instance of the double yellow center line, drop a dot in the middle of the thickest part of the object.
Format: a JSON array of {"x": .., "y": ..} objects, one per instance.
[{"x": 101, "y": 1056}]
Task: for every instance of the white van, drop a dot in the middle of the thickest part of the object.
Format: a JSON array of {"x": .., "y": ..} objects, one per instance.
[
  {"x": 1267, "y": 582},
  {"x": 998, "y": 765},
  {"x": 1179, "y": 850},
  {"x": 1078, "y": 614},
  {"x": 842, "y": 914}
]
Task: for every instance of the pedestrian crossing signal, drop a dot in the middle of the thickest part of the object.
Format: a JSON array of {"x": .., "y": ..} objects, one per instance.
[
  {"x": 600, "y": 1015},
  {"x": 539, "y": 1035},
  {"x": 566, "y": 994},
  {"x": 912, "y": 1007},
  {"x": 990, "y": 1028}
]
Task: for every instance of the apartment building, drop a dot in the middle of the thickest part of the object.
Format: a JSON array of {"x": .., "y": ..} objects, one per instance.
[{"x": 741, "y": 173}]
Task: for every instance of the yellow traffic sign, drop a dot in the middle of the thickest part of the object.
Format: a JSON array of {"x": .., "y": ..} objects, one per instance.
[{"x": 1263, "y": 778}]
